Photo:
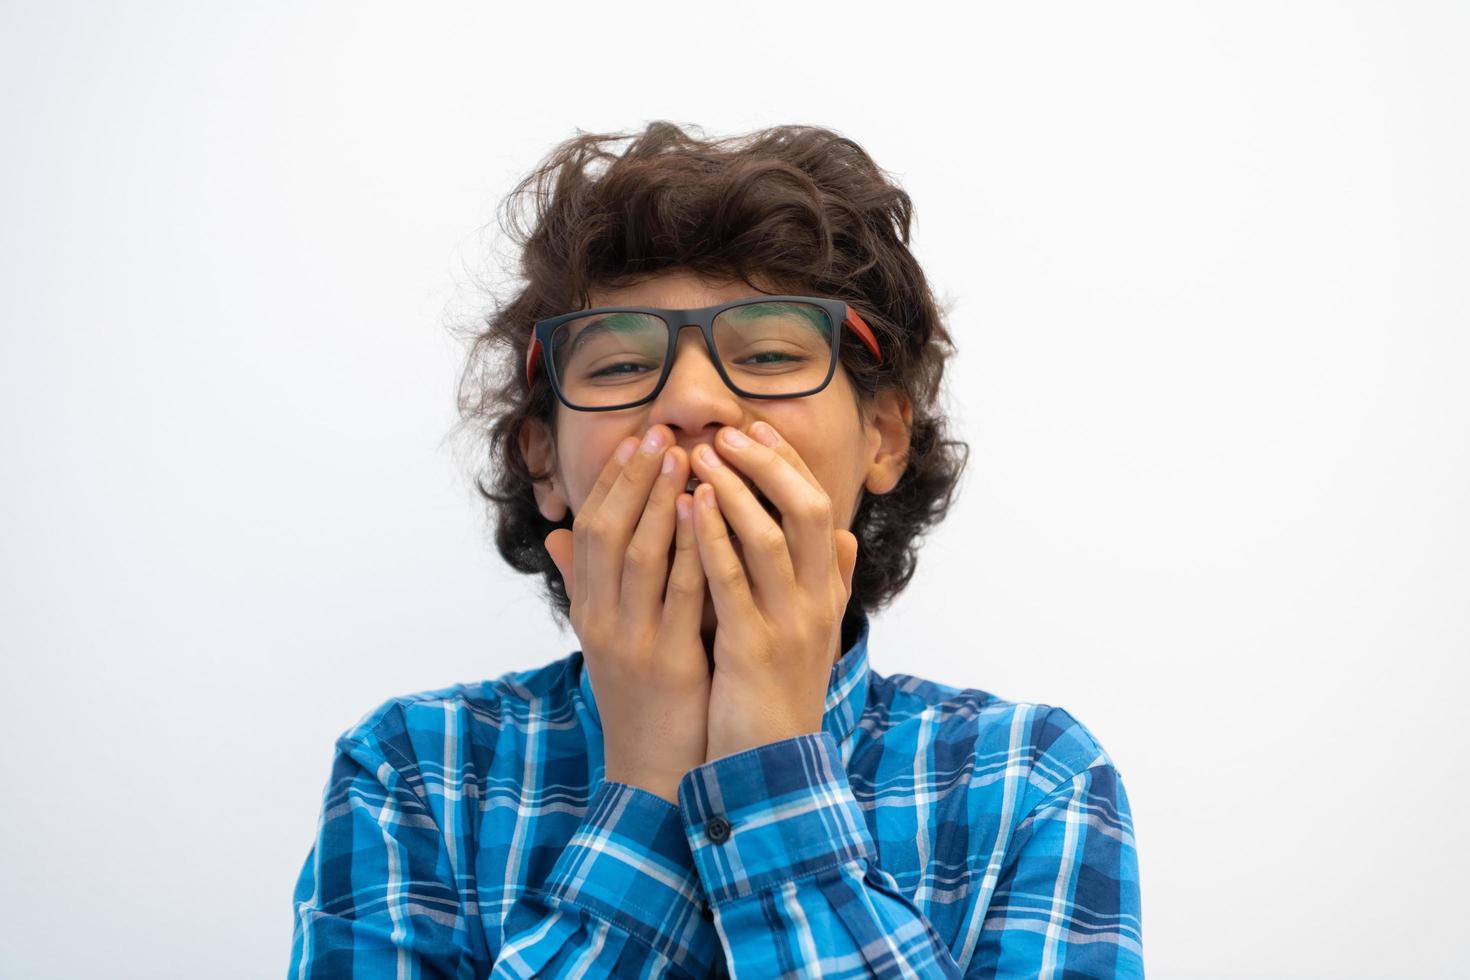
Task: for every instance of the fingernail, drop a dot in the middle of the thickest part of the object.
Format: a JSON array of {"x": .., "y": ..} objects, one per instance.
[
  {"x": 765, "y": 434},
  {"x": 668, "y": 466},
  {"x": 653, "y": 442},
  {"x": 710, "y": 457},
  {"x": 625, "y": 450},
  {"x": 734, "y": 437}
]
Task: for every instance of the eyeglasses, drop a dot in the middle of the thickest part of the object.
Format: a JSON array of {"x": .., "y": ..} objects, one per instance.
[{"x": 618, "y": 357}]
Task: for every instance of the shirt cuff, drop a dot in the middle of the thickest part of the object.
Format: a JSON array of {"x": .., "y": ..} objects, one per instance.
[
  {"x": 629, "y": 864},
  {"x": 770, "y": 814}
]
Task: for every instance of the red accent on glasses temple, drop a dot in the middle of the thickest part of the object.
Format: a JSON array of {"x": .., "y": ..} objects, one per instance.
[{"x": 852, "y": 321}]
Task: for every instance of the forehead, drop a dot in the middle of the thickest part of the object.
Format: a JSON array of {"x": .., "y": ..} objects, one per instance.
[{"x": 680, "y": 290}]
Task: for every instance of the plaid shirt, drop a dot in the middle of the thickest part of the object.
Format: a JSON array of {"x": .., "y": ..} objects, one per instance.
[{"x": 925, "y": 831}]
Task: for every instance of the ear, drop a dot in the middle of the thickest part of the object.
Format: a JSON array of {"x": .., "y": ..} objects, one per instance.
[
  {"x": 889, "y": 428},
  {"x": 538, "y": 448}
]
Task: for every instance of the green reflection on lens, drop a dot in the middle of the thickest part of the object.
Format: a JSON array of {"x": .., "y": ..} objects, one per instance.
[
  {"x": 815, "y": 316},
  {"x": 625, "y": 321}
]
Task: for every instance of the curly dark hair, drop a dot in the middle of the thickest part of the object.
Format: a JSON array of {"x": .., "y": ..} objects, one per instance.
[{"x": 797, "y": 205}]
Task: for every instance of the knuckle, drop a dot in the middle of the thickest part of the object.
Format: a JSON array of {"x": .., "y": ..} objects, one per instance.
[
  {"x": 635, "y": 474},
  {"x": 771, "y": 539},
  {"x": 592, "y": 638},
  {"x": 683, "y": 585},
  {"x": 817, "y": 508},
  {"x": 686, "y": 567},
  {"x": 683, "y": 674},
  {"x": 729, "y": 573},
  {"x": 638, "y": 555}
]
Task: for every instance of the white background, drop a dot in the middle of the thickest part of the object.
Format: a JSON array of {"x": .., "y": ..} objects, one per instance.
[{"x": 1205, "y": 265}]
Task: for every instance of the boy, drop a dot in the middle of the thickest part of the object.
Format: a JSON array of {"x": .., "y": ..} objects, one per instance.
[{"x": 715, "y": 437}]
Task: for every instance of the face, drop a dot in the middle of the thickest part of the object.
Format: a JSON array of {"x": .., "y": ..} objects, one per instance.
[{"x": 848, "y": 450}]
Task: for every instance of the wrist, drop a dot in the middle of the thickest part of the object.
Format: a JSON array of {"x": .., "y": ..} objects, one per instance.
[{"x": 664, "y": 787}]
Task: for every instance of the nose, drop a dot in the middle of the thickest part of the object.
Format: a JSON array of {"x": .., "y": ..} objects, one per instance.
[
  {"x": 693, "y": 368},
  {"x": 694, "y": 396}
]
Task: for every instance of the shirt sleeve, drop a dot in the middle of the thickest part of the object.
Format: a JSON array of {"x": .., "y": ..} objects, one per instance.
[
  {"x": 790, "y": 868},
  {"x": 1067, "y": 900},
  {"x": 622, "y": 900},
  {"x": 376, "y": 895}
]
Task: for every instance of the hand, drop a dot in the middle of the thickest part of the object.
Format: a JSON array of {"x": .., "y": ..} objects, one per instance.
[
  {"x": 640, "y": 642},
  {"x": 778, "y": 628}
]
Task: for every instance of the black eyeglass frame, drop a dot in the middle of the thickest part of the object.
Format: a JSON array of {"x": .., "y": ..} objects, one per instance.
[{"x": 838, "y": 311}]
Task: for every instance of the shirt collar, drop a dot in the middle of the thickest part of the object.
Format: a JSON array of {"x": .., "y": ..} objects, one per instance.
[{"x": 847, "y": 686}]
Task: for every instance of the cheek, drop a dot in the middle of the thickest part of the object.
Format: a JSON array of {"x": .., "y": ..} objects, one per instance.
[
  {"x": 585, "y": 444},
  {"x": 581, "y": 467}
]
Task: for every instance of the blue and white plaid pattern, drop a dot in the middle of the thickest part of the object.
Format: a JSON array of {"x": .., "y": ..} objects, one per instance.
[{"x": 926, "y": 831}]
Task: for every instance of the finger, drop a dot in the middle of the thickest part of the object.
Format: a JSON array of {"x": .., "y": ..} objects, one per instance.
[
  {"x": 763, "y": 542},
  {"x": 684, "y": 598},
  {"x": 646, "y": 560},
  {"x": 558, "y": 545},
  {"x": 765, "y": 433},
  {"x": 806, "y": 510},
  {"x": 581, "y": 543},
  {"x": 847, "y": 551},
  {"x": 612, "y": 522},
  {"x": 728, "y": 586},
  {"x": 611, "y": 470}
]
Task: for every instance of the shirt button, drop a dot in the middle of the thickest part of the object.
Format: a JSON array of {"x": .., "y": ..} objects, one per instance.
[{"x": 717, "y": 830}]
